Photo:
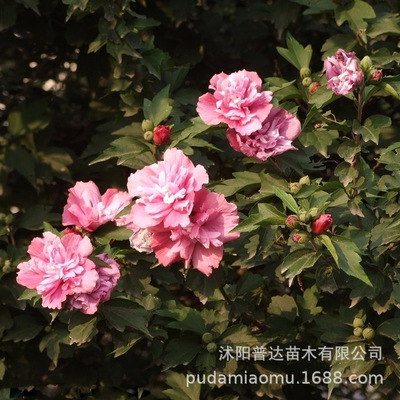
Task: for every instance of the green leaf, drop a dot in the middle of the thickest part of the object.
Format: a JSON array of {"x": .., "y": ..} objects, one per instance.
[
  {"x": 181, "y": 351},
  {"x": 28, "y": 118},
  {"x": 121, "y": 313},
  {"x": 321, "y": 140},
  {"x": 25, "y": 328},
  {"x": 131, "y": 152},
  {"x": 348, "y": 258},
  {"x": 34, "y": 217},
  {"x": 372, "y": 127},
  {"x": 346, "y": 173},
  {"x": 152, "y": 60},
  {"x": 297, "y": 261},
  {"x": 283, "y": 307},
  {"x": 348, "y": 150},
  {"x": 239, "y": 335},
  {"x": 51, "y": 343},
  {"x": 82, "y": 328},
  {"x": 355, "y": 13},
  {"x": 158, "y": 109},
  {"x": 390, "y": 328},
  {"x": 180, "y": 389},
  {"x": 329, "y": 245},
  {"x": 23, "y": 162},
  {"x": 187, "y": 319},
  {"x": 287, "y": 199},
  {"x": 267, "y": 215},
  {"x": 386, "y": 24},
  {"x": 242, "y": 181},
  {"x": 295, "y": 53}
]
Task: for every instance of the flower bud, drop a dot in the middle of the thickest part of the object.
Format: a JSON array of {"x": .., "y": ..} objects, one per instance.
[
  {"x": 304, "y": 216},
  {"x": 207, "y": 337},
  {"x": 306, "y": 82},
  {"x": 305, "y": 180},
  {"x": 366, "y": 64},
  {"x": 292, "y": 222},
  {"x": 314, "y": 87},
  {"x": 305, "y": 72},
  {"x": 212, "y": 347},
  {"x": 358, "y": 331},
  {"x": 358, "y": 322},
  {"x": 162, "y": 134},
  {"x": 368, "y": 333},
  {"x": 300, "y": 237},
  {"x": 147, "y": 125},
  {"x": 294, "y": 187},
  {"x": 376, "y": 76},
  {"x": 322, "y": 224},
  {"x": 148, "y": 136}
]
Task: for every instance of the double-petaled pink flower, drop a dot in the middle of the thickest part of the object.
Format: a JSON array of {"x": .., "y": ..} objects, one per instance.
[
  {"x": 237, "y": 101},
  {"x": 176, "y": 217},
  {"x": 88, "y": 209},
  {"x": 274, "y": 137},
  {"x": 88, "y": 302},
  {"x": 58, "y": 268},
  {"x": 199, "y": 244},
  {"x": 343, "y": 72},
  {"x": 166, "y": 191}
]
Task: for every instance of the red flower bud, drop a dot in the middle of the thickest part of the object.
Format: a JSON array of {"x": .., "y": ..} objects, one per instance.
[
  {"x": 314, "y": 87},
  {"x": 322, "y": 224},
  {"x": 292, "y": 221},
  {"x": 376, "y": 76},
  {"x": 162, "y": 134},
  {"x": 300, "y": 237}
]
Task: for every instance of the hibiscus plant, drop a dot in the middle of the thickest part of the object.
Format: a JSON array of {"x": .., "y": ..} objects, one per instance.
[{"x": 199, "y": 199}]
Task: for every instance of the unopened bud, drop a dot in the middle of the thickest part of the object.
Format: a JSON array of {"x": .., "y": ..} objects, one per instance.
[
  {"x": 292, "y": 222},
  {"x": 294, "y": 187},
  {"x": 147, "y": 125},
  {"x": 305, "y": 180},
  {"x": 300, "y": 237},
  {"x": 376, "y": 76},
  {"x": 304, "y": 217},
  {"x": 305, "y": 72},
  {"x": 212, "y": 347},
  {"x": 366, "y": 64},
  {"x": 306, "y": 82},
  {"x": 368, "y": 333},
  {"x": 358, "y": 331},
  {"x": 162, "y": 134},
  {"x": 314, "y": 87},
  {"x": 322, "y": 224},
  {"x": 207, "y": 337},
  {"x": 148, "y": 136}
]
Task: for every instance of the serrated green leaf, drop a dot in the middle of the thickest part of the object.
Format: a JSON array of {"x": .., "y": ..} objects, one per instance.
[
  {"x": 390, "y": 328},
  {"x": 287, "y": 199},
  {"x": 348, "y": 258},
  {"x": 346, "y": 173},
  {"x": 295, "y": 53},
  {"x": 159, "y": 108},
  {"x": 329, "y": 245},
  {"x": 297, "y": 261},
  {"x": 82, "y": 328},
  {"x": 321, "y": 140},
  {"x": 355, "y": 13},
  {"x": 283, "y": 307},
  {"x": 372, "y": 127},
  {"x": 180, "y": 390},
  {"x": 121, "y": 313},
  {"x": 181, "y": 351}
]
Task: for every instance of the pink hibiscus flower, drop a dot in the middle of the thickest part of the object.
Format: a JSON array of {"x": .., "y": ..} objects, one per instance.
[
  {"x": 58, "y": 268},
  {"x": 200, "y": 243},
  {"x": 237, "y": 101},
  {"x": 108, "y": 277},
  {"x": 275, "y": 137},
  {"x": 88, "y": 209},
  {"x": 343, "y": 72},
  {"x": 166, "y": 190}
]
